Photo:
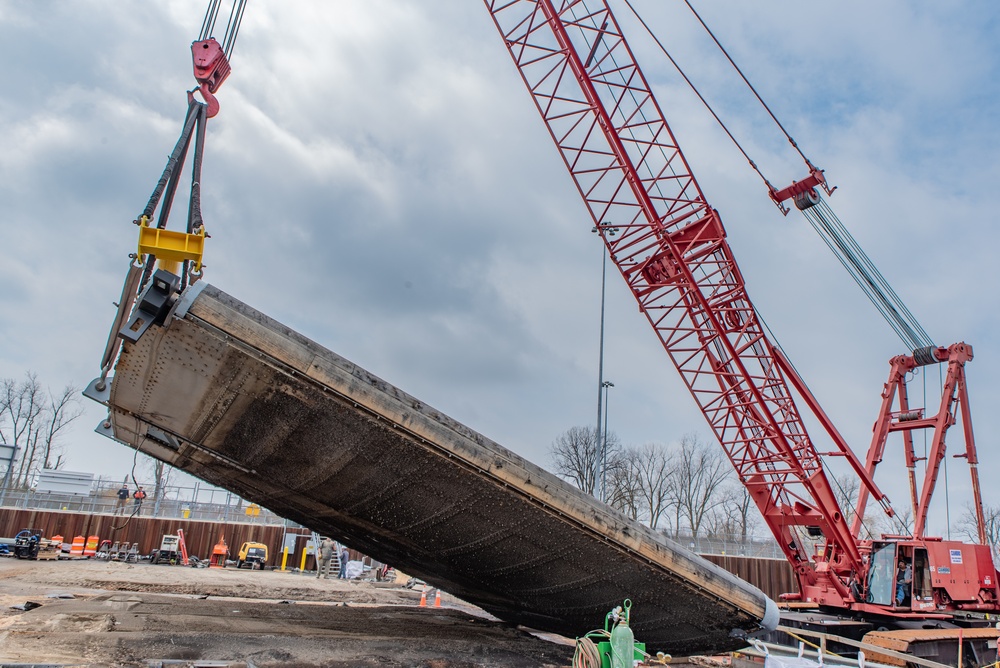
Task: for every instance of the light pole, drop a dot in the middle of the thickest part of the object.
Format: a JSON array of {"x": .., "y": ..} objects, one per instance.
[
  {"x": 604, "y": 444},
  {"x": 602, "y": 229}
]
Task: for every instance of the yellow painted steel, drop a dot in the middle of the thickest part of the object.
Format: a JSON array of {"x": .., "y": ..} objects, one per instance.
[
  {"x": 302, "y": 566},
  {"x": 284, "y": 557},
  {"x": 171, "y": 247}
]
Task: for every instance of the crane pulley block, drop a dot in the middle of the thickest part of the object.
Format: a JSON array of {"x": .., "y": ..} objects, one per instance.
[
  {"x": 803, "y": 192},
  {"x": 211, "y": 67},
  {"x": 171, "y": 246}
]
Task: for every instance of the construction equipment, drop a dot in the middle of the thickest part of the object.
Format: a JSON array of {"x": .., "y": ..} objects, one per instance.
[
  {"x": 182, "y": 544},
  {"x": 253, "y": 555},
  {"x": 614, "y": 646},
  {"x": 671, "y": 248},
  {"x": 219, "y": 554},
  {"x": 672, "y": 251},
  {"x": 26, "y": 543},
  {"x": 169, "y": 551},
  {"x": 30, "y": 544},
  {"x": 104, "y": 550}
]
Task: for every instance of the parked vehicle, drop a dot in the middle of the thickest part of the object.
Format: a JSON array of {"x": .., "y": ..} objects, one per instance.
[{"x": 253, "y": 555}]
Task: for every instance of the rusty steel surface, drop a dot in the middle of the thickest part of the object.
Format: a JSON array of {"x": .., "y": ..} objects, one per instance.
[
  {"x": 774, "y": 577},
  {"x": 241, "y": 401}
]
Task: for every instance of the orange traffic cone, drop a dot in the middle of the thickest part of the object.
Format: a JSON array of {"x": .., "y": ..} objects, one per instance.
[
  {"x": 437, "y": 599},
  {"x": 423, "y": 599}
]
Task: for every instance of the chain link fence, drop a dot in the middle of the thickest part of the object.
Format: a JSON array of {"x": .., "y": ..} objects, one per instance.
[
  {"x": 763, "y": 547},
  {"x": 199, "y": 501}
]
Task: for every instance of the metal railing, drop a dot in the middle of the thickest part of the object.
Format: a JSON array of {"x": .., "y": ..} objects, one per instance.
[
  {"x": 199, "y": 501},
  {"x": 763, "y": 547}
]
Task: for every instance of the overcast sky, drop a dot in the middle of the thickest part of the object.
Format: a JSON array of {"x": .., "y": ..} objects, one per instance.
[{"x": 379, "y": 180}]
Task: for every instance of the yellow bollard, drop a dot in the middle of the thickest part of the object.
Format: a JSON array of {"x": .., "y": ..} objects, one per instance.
[
  {"x": 284, "y": 557},
  {"x": 302, "y": 566}
]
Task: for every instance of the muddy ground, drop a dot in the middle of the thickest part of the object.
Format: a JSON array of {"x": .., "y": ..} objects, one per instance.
[{"x": 140, "y": 614}]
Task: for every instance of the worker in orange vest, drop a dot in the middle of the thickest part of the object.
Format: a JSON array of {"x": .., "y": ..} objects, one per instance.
[{"x": 139, "y": 495}]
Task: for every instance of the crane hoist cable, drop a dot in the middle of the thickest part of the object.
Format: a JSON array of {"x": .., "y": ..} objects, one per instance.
[
  {"x": 819, "y": 214},
  {"x": 212, "y": 59},
  {"x": 798, "y": 188},
  {"x": 697, "y": 92},
  {"x": 232, "y": 26},
  {"x": 210, "y": 62},
  {"x": 747, "y": 82},
  {"x": 826, "y": 223},
  {"x": 167, "y": 260}
]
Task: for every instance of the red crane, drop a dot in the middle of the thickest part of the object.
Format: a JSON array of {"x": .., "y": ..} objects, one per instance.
[{"x": 672, "y": 251}]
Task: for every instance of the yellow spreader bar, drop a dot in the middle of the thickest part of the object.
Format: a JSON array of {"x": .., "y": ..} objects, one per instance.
[{"x": 169, "y": 246}]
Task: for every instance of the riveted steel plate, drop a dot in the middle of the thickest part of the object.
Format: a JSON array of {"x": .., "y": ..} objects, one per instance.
[{"x": 241, "y": 401}]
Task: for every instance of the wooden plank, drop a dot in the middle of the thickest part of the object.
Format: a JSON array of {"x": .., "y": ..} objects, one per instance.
[{"x": 866, "y": 647}]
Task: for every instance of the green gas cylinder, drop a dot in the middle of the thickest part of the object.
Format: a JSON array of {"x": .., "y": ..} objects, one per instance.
[{"x": 622, "y": 641}]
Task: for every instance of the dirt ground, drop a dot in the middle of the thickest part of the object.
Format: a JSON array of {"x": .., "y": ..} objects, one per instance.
[{"x": 140, "y": 614}]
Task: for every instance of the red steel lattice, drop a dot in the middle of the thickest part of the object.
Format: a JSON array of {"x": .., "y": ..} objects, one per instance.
[{"x": 671, "y": 249}]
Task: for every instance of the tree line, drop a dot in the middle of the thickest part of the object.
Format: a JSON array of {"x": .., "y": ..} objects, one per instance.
[
  {"x": 32, "y": 420},
  {"x": 686, "y": 488},
  {"x": 689, "y": 488}
]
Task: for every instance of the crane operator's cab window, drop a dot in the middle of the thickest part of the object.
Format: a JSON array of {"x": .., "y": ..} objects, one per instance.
[{"x": 882, "y": 575}]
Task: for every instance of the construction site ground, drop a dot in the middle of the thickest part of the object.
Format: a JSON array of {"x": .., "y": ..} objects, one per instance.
[{"x": 113, "y": 613}]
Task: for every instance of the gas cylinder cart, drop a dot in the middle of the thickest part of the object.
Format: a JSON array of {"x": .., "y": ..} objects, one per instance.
[{"x": 615, "y": 645}]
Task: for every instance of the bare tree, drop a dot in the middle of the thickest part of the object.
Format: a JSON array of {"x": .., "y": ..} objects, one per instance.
[
  {"x": 623, "y": 490},
  {"x": 20, "y": 409},
  {"x": 653, "y": 467},
  {"x": 32, "y": 420},
  {"x": 576, "y": 455},
  {"x": 696, "y": 483},
  {"x": 162, "y": 473},
  {"x": 736, "y": 517},
  {"x": 61, "y": 411},
  {"x": 845, "y": 489},
  {"x": 968, "y": 525}
]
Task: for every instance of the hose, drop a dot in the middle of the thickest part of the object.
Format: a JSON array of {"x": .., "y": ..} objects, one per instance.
[{"x": 586, "y": 654}]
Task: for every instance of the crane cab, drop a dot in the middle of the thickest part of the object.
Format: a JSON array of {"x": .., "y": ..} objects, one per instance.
[{"x": 931, "y": 574}]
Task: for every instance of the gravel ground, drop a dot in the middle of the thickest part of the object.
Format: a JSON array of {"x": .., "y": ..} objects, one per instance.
[{"x": 140, "y": 614}]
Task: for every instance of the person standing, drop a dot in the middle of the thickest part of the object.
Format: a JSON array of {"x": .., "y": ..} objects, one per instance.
[
  {"x": 139, "y": 495},
  {"x": 122, "y": 499},
  {"x": 324, "y": 557},
  {"x": 904, "y": 576},
  {"x": 344, "y": 556}
]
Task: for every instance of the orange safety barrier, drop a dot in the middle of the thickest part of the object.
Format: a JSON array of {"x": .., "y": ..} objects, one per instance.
[
  {"x": 58, "y": 540},
  {"x": 90, "y": 549},
  {"x": 78, "y": 544}
]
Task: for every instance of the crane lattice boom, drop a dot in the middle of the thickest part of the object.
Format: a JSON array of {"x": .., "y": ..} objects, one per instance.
[{"x": 673, "y": 253}]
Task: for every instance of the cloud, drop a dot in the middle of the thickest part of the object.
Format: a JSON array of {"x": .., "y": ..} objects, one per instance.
[{"x": 379, "y": 180}]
